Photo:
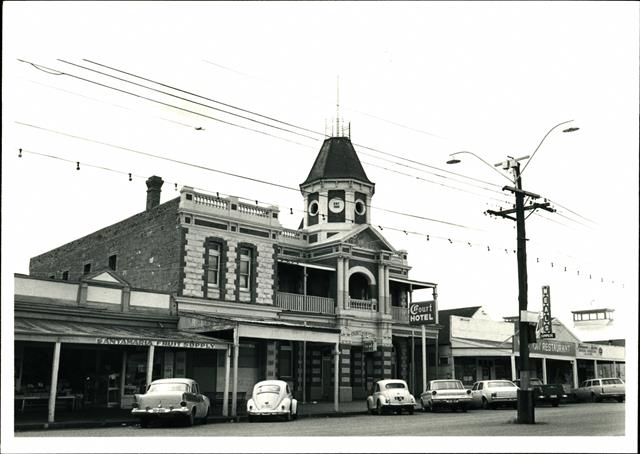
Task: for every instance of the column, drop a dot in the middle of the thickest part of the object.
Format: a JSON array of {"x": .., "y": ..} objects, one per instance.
[
  {"x": 123, "y": 376},
  {"x": 346, "y": 394},
  {"x": 381, "y": 288},
  {"x": 575, "y": 373},
  {"x": 336, "y": 378},
  {"x": 225, "y": 394},
  {"x": 387, "y": 298},
  {"x": 424, "y": 358},
  {"x": 544, "y": 370},
  {"x": 150, "y": 364},
  {"x": 345, "y": 283},
  {"x": 272, "y": 354},
  {"x": 595, "y": 368},
  {"x": 514, "y": 375},
  {"x": 340, "y": 303},
  {"x": 54, "y": 383},
  {"x": 236, "y": 352},
  {"x": 453, "y": 367},
  {"x": 304, "y": 372}
]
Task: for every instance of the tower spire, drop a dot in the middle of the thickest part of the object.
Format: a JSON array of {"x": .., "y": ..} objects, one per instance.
[{"x": 338, "y": 105}]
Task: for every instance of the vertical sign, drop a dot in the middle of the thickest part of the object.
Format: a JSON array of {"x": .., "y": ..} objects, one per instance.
[
  {"x": 423, "y": 313},
  {"x": 546, "y": 332}
]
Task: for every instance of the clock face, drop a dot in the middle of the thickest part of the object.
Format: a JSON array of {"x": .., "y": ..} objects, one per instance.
[{"x": 336, "y": 205}]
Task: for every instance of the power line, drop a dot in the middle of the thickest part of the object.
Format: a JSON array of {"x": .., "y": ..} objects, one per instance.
[
  {"x": 256, "y": 180},
  {"x": 295, "y": 126},
  {"x": 449, "y": 239},
  {"x": 233, "y": 124}
]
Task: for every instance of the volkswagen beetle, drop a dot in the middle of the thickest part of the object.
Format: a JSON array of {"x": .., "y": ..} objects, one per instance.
[
  {"x": 392, "y": 396},
  {"x": 272, "y": 398},
  {"x": 171, "y": 398}
]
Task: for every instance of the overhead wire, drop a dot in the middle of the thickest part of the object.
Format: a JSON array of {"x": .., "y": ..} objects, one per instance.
[
  {"x": 197, "y": 113},
  {"x": 256, "y": 180},
  {"x": 449, "y": 239}
]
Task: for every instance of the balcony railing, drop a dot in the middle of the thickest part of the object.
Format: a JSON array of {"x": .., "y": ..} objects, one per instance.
[
  {"x": 400, "y": 314},
  {"x": 363, "y": 305},
  {"x": 305, "y": 303}
]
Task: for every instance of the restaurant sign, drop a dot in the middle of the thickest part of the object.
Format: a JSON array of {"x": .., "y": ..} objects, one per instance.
[
  {"x": 549, "y": 347},
  {"x": 174, "y": 343},
  {"x": 589, "y": 350},
  {"x": 422, "y": 313}
]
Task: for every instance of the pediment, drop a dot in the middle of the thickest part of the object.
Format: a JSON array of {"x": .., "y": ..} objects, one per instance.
[
  {"x": 370, "y": 239},
  {"x": 105, "y": 276}
]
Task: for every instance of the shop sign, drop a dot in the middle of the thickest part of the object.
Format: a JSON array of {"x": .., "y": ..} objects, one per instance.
[
  {"x": 422, "y": 313},
  {"x": 155, "y": 343},
  {"x": 549, "y": 347},
  {"x": 589, "y": 350},
  {"x": 369, "y": 345},
  {"x": 546, "y": 332}
]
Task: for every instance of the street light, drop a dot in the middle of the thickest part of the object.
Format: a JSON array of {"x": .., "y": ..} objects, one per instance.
[{"x": 526, "y": 413}]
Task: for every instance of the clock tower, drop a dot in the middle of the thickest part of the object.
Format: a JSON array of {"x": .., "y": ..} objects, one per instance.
[{"x": 337, "y": 193}]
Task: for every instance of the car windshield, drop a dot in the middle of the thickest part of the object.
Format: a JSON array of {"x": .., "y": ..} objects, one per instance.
[
  {"x": 535, "y": 381},
  {"x": 612, "y": 381},
  {"x": 167, "y": 387},
  {"x": 395, "y": 385},
  {"x": 501, "y": 384},
  {"x": 268, "y": 389},
  {"x": 453, "y": 384}
]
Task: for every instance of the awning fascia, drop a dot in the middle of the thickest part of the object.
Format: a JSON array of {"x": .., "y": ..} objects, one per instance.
[
  {"x": 308, "y": 265},
  {"x": 417, "y": 285}
]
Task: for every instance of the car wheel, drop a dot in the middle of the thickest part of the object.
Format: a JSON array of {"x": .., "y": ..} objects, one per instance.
[
  {"x": 430, "y": 406},
  {"x": 289, "y": 415},
  {"x": 251, "y": 418},
  {"x": 620, "y": 399},
  {"x": 411, "y": 410},
  {"x": 555, "y": 403},
  {"x": 144, "y": 423},
  {"x": 205, "y": 418},
  {"x": 379, "y": 408},
  {"x": 594, "y": 398},
  {"x": 485, "y": 403}
]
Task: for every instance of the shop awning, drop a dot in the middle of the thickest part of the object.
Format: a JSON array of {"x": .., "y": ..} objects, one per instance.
[
  {"x": 417, "y": 285},
  {"x": 27, "y": 329},
  {"x": 263, "y": 329}
]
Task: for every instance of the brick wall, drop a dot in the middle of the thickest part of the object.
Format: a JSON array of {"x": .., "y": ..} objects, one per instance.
[{"x": 147, "y": 247}]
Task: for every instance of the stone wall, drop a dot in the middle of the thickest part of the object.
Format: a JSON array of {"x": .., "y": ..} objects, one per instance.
[
  {"x": 146, "y": 246},
  {"x": 263, "y": 269}
]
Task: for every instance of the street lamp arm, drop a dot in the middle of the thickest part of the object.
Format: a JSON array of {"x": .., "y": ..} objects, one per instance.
[
  {"x": 485, "y": 162},
  {"x": 538, "y": 147}
]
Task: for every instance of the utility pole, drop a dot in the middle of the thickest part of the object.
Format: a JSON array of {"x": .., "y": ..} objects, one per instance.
[{"x": 526, "y": 414}]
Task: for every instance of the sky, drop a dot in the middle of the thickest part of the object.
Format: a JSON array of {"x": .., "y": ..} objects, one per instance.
[{"x": 415, "y": 81}]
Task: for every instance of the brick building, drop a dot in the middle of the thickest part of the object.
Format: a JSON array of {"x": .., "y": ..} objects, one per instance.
[{"x": 323, "y": 307}]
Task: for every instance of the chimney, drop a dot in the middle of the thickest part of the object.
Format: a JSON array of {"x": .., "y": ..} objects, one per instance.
[{"x": 154, "y": 185}]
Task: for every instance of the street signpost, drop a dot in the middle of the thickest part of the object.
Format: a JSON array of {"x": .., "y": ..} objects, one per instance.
[
  {"x": 423, "y": 313},
  {"x": 547, "y": 329}
]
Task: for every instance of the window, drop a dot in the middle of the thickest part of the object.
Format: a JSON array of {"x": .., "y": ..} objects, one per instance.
[
  {"x": 65, "y": 275},
  {"x": 213, "y": 264},
  {"x": 245, "y": 268},
  {"x": 112, "y": 261},
  {"x": 87, "y": 268},
  {"x": 480, "y": 385},
  {"x": 53, "y": 276}
]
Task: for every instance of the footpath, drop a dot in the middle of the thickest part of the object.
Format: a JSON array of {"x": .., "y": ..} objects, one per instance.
[{"x": 115, "y": 417}]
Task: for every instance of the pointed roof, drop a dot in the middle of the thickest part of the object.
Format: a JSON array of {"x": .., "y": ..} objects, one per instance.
[
  {"x": 337, "y": 159},
  {"x": 364, "y": 234}
]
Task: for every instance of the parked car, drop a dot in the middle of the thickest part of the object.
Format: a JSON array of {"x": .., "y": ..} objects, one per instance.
[
  {"x": 545, "y": 394},
  {"x": 445, "y": 394},
  {"x": 171, "y": 398},
  {"x": 390, "y": 396},
  {"x": 272, "y": 398},
  {"x": 492, "y": 393},
  {"x": 598, "y": 389}
]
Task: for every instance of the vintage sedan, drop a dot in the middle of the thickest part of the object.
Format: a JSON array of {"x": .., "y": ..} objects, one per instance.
[
  {"x": 445, "y": 394},
  {"x": 492, "y": 393},
  {"x": 272, "y": 398},
  {"x": 391, "y": 396},
  {"x": 178, "y": 398}
]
